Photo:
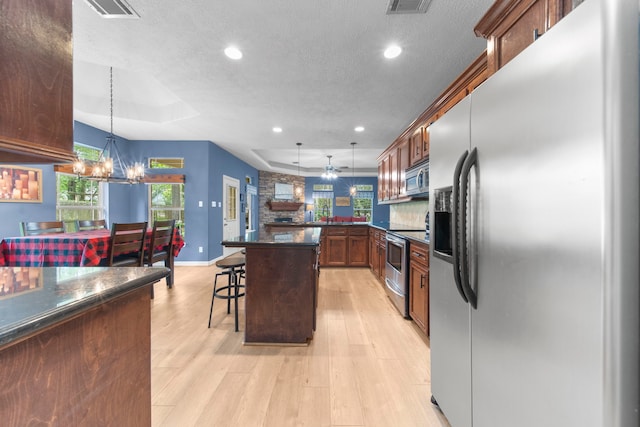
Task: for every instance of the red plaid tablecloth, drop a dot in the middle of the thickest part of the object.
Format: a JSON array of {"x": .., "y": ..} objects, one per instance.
[{"x": 83, "y": 248}]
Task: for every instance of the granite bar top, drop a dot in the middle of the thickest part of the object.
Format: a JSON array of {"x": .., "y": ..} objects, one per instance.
[
  {"x": 299, "y": 236},
  {"x": 313, "y": 224},
  {"x": 34, "y": 298}
]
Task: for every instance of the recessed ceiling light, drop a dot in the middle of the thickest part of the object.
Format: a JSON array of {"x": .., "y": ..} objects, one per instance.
[
  {"x": 277, "y": 129},
  {"x": 392, "y": 51},
  {"x": 359, "y": 128},
  {"x": 233, "y": 52}
]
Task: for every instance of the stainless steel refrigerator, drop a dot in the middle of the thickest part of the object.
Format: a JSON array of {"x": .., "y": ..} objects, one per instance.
[{"x": 534, "y": 215}]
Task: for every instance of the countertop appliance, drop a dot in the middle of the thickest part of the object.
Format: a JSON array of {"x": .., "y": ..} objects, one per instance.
[
  {"x": 417, "y": 180},
  {"x": 534, "y": 184},
  {"x": 396, "y": 279}
]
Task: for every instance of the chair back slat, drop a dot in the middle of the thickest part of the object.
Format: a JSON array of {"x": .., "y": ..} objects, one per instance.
[
  {"x": 90, "y": 224},
  {"x": 127, "y": 244},
  {"x": 162, "y": 236},
  {"x": 45, "y": 227}
]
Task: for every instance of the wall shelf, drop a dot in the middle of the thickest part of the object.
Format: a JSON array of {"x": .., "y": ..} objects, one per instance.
[{"x": 284, "y": 206}]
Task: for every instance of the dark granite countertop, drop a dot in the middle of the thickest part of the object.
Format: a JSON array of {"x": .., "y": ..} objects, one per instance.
[
  {"x": 34, "y": 298},
  {"x": 382, "y": 225},
  {"x": 313, "y": 224},
  {"x": 416, "y": 236},
  {"x": 299, "y": 236}
]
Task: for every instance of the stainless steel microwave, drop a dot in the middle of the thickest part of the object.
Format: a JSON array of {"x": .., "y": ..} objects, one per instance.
[{"x": 417, "y": 180}]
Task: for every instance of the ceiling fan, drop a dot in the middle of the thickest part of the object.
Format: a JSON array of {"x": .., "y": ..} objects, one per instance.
[{"x": 330, "y": 172}]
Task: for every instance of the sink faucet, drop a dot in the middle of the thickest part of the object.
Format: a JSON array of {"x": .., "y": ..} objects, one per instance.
[{"x": 325, "y": 213}]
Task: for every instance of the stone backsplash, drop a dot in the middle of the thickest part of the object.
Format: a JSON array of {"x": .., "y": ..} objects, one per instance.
[{"x": 266, "y": 192}]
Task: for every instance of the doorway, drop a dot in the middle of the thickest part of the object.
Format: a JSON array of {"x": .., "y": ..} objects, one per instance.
[{"x": 230, "y": 209}]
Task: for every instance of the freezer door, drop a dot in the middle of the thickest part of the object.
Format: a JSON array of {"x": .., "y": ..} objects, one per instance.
[
  {"x": 538, "y": 331},
  {"x": 449, "y": 314}
]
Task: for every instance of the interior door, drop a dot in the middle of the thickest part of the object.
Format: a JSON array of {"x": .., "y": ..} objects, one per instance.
[{"x": 231, "y": 211}]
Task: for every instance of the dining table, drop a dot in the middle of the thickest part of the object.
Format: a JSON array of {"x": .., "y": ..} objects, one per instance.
[{"x": 76, "y": 249}]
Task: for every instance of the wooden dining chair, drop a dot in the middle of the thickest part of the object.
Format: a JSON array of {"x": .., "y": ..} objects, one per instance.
[
  {"x": 127, "y": 244},
  {"x": 37, "y": 228},
  {"x": 161, "y": 246},
  {"x": 90, "y": 224}
]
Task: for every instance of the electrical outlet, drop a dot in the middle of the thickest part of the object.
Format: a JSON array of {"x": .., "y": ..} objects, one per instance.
[
  {"x": 213, "y": 204},
  {"x": 200, "y": 249},
  {"x": 200, "y": 204}
]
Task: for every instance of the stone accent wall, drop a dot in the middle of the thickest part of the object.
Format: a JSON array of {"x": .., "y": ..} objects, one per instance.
[{"x": 266, "y": 192}]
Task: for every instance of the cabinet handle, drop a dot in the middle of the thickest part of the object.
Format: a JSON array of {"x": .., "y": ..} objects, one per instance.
[
  {"x": 419, "y": 255},
  {"x": 536, "y": 34},
  {"x": 421, "y": 281}
]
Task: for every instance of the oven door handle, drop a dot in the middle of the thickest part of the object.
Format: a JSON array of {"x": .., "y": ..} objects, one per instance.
[{"x": 392, "y": 288}]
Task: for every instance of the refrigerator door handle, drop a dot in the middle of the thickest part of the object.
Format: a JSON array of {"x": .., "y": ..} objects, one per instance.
[
  {"x": 455, "y": 223},
  {"x": 470, "y": 161}
]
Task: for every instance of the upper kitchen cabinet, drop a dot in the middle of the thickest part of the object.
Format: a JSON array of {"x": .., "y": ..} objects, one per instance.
[
  {"x": 416, "y": 143},
  {"x": 511, "y": 25},
  {"x": 36, "y": 81}
]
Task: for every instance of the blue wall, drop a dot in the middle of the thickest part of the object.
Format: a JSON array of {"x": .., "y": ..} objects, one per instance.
[
  {"x": 205, "y": 164},
  {"x": 341, "y": 188}
]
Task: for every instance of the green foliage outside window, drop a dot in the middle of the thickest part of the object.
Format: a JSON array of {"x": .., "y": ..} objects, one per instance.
[
  {"x": 78, "y": 198},
  {"x": 363, "y": 207},
  {"x": 167, "y": 202}
]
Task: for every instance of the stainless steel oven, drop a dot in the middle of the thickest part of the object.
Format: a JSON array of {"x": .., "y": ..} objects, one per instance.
[{"x": 396, "y": 274}]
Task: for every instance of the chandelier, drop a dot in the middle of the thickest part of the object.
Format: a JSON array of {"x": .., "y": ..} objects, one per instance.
[
  {"x": 329, "y": 171},
  {"x": 109, "y": 167}
]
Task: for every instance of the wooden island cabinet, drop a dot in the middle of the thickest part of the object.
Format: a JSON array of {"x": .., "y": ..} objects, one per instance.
[
  {"x": 75, "y": 345},
  {"x": 281, "y": 286}
]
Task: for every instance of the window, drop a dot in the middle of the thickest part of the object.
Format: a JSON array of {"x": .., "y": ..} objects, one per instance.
[
  {"x": 166, "y": 200},
  {"x": 322, "y": 204},
  {"x": 79, "y": 198},
  {"x": 363, "y": 203}
]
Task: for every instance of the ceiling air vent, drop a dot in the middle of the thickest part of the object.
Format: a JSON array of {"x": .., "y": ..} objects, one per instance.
[
  {"x": 113, "y": 8},
  {"x": 407, "y": 6}
]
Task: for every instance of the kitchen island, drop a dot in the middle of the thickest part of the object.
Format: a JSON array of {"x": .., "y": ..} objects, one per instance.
[
  {"x": 75, "y": 345},
  {"x": 281, "y": 288}
]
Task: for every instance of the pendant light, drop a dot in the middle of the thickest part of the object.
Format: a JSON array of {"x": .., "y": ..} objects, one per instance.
[
  {"x": 299, "y": 188},
  {"x": 353, "y": 190}
]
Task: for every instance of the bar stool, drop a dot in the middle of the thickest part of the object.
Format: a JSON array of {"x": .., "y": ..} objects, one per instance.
[{"x": 232, "y": 267}]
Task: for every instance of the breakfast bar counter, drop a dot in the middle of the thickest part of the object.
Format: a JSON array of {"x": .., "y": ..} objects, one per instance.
[
  {"x": 281, "y": 288},
  {"x": 75, "y": 345}
]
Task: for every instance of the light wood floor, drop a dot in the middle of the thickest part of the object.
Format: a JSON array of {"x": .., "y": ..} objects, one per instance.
[{"x": 366, "y": 366}]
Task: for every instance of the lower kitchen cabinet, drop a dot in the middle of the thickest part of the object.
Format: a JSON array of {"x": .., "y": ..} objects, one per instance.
[
  {"x": 419, "y": 285},
  {"x": 345, "y": 246},
  {"x": 358, "y": 247}
]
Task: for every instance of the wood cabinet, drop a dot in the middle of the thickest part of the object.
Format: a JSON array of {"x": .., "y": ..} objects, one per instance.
[
  {"x": 377, "y": 253},
  {"x": 419, "y": 284},
  {"x": 358, "y": 246},
  {"x": 416, "y": 146},
  {"x": 412, "y": 146},
  {"x": 404, "y": 162},
  {"x": 36, "y": 106},
  {"x": 511, "y": 25},
  {"x": 393, "y": 183},
  {"x": 344, "y": 246}
]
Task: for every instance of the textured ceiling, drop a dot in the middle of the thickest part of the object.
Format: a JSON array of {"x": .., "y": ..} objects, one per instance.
[{"x": 314, "y": 68}]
